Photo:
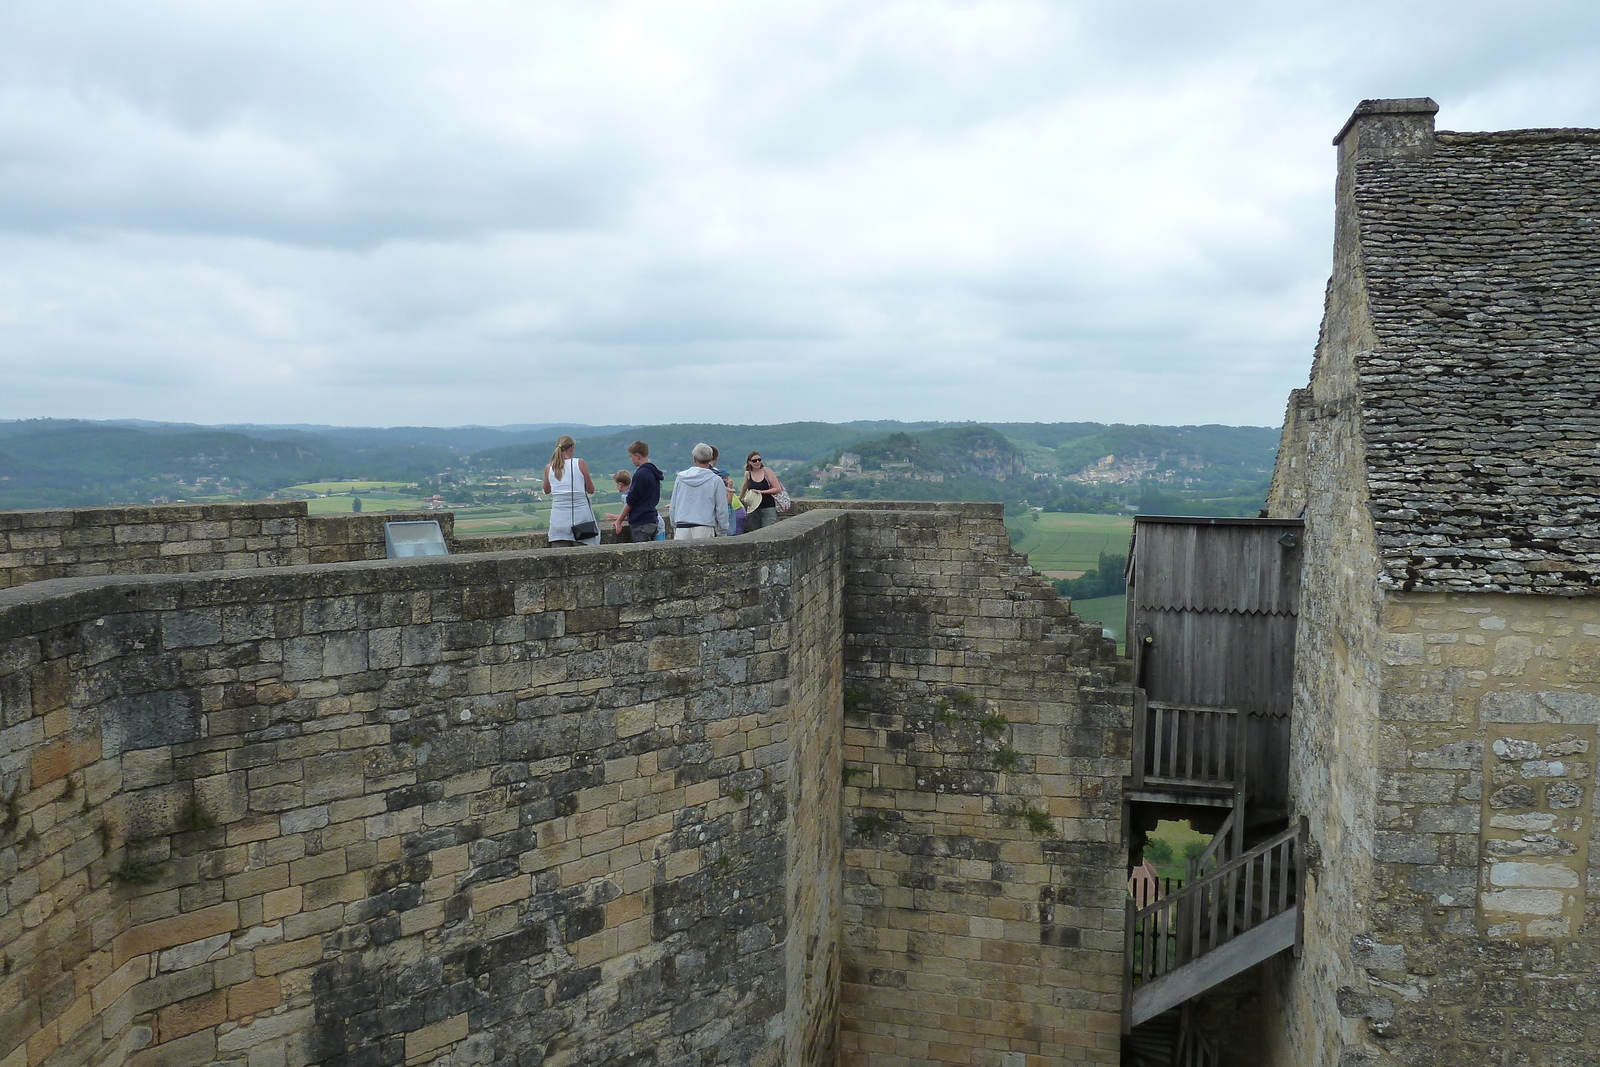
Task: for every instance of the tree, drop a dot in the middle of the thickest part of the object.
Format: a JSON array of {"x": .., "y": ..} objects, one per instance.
[
  {"x": 1109, "y": 578},
  {"x": 355, "y": 504},
  {"x": 1158, "y": 852}
]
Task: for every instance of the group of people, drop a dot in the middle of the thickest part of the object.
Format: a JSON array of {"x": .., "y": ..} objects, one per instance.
[{"x": 704, "y": 501}]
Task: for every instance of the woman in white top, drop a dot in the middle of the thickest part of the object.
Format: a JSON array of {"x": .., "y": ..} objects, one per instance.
[{"x": 567, "y": 482}]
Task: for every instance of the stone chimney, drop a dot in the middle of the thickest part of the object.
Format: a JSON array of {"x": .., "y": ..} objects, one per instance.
[
  {"x": 1387, "y": 129},
  {"x": 1377, "y": 129}
]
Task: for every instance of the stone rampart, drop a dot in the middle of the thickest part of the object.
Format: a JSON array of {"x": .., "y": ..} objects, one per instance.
[
  {"x": 548, "y": 807},
  {"x": 986, "y": 740},
  {"x": 583, "y": 806},
  {"x": 36, "y": 546}
]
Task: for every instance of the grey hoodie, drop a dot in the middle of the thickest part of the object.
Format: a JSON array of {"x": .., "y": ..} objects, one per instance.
[{"x": 700, "y": 499}]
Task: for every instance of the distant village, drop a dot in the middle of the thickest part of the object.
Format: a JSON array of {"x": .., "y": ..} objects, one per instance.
[
  {"x": 849, "y": 466},
  {"x": 1108, "y": 470}
]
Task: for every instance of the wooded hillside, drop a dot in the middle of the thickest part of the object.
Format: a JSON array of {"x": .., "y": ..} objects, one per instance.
[{"x": 1059, "y": 466}]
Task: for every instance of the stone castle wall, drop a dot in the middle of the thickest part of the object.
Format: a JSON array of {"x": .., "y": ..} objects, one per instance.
[
  {"x": 1479, "y": 951},
  {"x": 986, "y": 739},
  {"x": 1337, "y": 682},
  {"x": 551, "y": 807},
  {"x": 36, "y": 546},
  {"x": 1334, "y": 747},
  {"x": 579, "y": 806}
]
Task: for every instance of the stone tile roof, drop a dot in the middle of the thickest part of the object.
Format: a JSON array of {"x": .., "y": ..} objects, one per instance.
[{"x": 1481, "y": 403}]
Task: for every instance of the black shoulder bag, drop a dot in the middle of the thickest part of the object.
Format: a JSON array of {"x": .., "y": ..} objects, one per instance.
[{"x": 588, "y": 527}]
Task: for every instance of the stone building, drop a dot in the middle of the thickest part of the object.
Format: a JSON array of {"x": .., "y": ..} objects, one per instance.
[{"x": 1445, "y": 458}]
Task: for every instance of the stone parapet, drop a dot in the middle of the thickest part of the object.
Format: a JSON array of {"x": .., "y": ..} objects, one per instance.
[
  {"x": 518, "y": 542},
  {"x": 577, "y": 805},
  {"x": 345, "y": 538},
  {"x": 966, "y": 509},
  {"x": 40, "y": 545},
  {"x": 158, "y": 539}
]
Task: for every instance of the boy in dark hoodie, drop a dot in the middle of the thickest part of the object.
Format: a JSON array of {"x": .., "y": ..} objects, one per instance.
[{"x": 639, "y": 510}]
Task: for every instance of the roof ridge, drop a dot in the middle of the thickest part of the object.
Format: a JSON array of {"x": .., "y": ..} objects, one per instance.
[{"x": 1528, "y": 136}]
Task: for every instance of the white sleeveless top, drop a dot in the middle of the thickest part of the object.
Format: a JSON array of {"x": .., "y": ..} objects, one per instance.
[{"x": 568, "y": 503}]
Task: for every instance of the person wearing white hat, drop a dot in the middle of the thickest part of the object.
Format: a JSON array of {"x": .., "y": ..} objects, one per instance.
[{"x": 760, "y": 493}]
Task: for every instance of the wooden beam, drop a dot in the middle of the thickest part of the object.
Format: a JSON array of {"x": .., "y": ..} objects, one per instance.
[{"x": 1213, "y": 968}]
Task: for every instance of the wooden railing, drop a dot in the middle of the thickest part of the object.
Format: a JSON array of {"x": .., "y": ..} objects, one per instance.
[
  {"x": 1218, "y": 852},
  {"x": 1214, "y": 909},
  {"x": 1188, "y": 745}
]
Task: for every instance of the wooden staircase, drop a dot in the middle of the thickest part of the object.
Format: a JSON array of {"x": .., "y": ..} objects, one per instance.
[
  {"x": 1169, "y": 1040},
  {"x": 1212, "y": 614},
  {"x": 1244, "y": 911}
]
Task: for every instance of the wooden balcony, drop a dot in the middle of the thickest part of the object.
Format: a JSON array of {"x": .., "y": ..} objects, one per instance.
[{"x": 1187, "y": 753}]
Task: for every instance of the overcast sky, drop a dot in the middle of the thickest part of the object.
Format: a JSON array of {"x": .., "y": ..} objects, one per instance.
[{"x": 757, "y": 211}]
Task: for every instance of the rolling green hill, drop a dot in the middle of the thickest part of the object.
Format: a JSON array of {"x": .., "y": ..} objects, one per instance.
[
  {"x": 1067, "y": 467},
  {"x": 670, "y": 446},
  {"x": 56, "y": 463},
  {"x": 1059, "y": 467}
]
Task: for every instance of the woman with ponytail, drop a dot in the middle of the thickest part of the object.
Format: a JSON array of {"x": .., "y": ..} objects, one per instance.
[{"x": 567, "y": 482}]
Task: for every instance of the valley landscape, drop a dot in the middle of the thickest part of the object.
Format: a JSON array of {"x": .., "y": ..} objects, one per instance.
[
  {"x": 1070, "y": 489},
  {"x": 1055, "y": 467}
]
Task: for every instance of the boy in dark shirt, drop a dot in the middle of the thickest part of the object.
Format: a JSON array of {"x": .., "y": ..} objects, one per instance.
[{"x": 639, "y": 510}]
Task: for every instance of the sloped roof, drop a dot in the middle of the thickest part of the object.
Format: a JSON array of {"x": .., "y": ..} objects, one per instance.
[{"x": 1481, "y": 404}]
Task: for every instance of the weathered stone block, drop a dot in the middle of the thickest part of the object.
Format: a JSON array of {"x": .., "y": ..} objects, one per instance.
[
  {"x": 1405, "y": 848},
  {"x": 1552, "y": 875},
  {"x": 149, "y": 720},
  {"x": 1523, "y": 901}
]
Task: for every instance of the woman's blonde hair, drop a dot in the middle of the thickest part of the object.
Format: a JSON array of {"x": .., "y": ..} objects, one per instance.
[{"x": 558, "y": 461}]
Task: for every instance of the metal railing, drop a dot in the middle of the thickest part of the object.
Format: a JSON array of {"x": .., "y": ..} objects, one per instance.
[{"x": 1214, "y": 909}]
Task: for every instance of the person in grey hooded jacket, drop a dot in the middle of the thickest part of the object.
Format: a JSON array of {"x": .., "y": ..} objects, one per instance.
[{"x": 699, "y": 500}]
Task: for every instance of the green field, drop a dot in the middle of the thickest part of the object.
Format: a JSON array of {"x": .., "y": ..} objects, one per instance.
[
  {"x": 471, "y": 522},
  {"x": 1109, "y": 611},
  {"x": 370, "y": 502},
  {"x": 344, "y": 487},
  {"x": 1064, "y": 544}
]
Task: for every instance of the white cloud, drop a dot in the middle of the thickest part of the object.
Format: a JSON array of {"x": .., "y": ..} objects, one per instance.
[{"x": 636, "y": 211}]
